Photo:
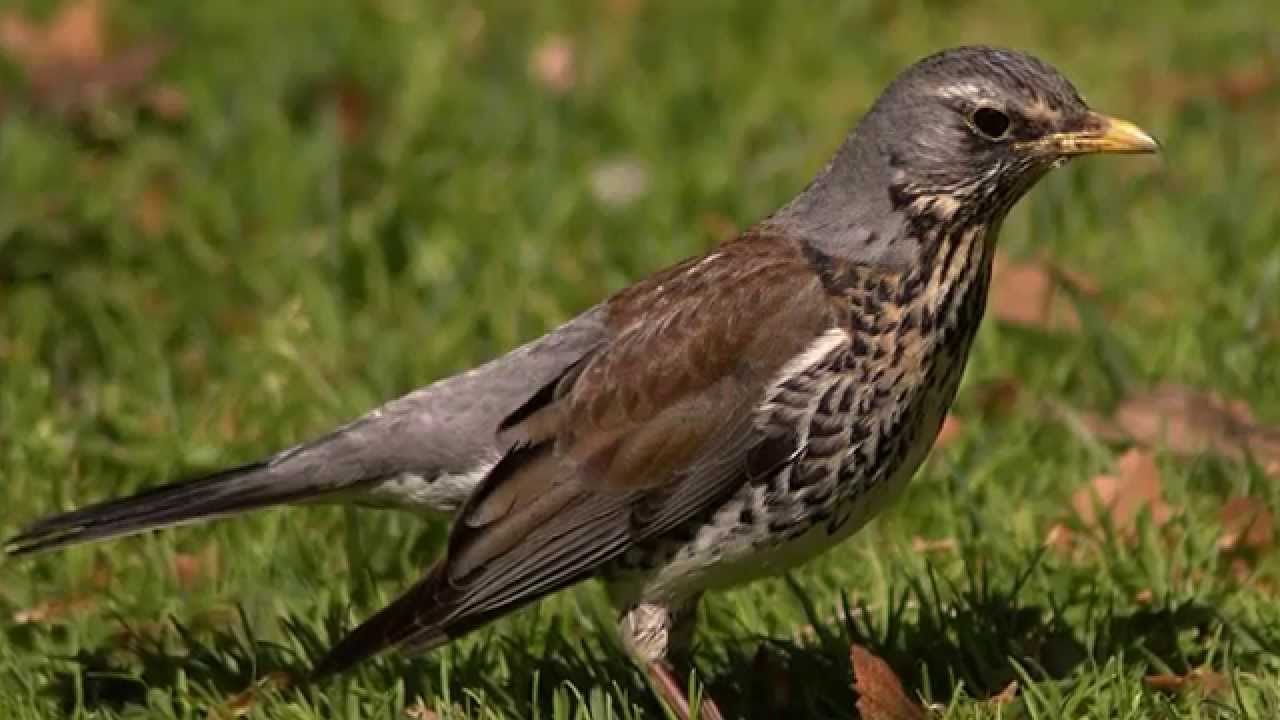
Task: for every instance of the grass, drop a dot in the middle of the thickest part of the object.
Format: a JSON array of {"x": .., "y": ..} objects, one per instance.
[{"x": 297, "y": 276}]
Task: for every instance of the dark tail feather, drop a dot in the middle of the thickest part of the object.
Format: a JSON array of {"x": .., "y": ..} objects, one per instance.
[
  {"x": 409, "y": 616},
  {"x": 222, "y": 493}
]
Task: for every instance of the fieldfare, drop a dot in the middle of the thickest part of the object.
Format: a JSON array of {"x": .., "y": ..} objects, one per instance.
[{"x": 724, "y": 419}]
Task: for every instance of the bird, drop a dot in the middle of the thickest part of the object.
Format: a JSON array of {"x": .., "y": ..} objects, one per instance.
[{"x": 725, "y": 419}]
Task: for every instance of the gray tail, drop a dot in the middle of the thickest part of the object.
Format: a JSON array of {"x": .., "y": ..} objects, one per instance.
[{"x": 221, "y": 493}]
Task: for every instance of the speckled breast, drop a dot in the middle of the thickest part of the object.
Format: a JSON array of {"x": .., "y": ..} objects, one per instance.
[{"x": 865, "y": 402}]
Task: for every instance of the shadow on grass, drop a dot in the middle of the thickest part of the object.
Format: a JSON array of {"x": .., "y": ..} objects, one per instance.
[{"x": 940, "y": 638}]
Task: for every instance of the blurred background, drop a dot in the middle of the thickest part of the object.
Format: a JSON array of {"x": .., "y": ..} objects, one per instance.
[{"x": 226, "y": 227}]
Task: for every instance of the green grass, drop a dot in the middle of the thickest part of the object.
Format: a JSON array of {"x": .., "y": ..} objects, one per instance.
[{"x": 299, "y": 280}]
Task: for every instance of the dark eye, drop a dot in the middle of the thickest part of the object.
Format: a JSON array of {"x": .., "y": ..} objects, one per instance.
[{"x": 990, "y": 122}]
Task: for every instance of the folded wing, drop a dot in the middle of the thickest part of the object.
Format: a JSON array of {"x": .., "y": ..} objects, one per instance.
[{"x": 653, "y": 429}]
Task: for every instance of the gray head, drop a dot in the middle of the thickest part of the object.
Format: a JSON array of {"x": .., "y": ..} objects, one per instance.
[{"x": 955, "y": 140}]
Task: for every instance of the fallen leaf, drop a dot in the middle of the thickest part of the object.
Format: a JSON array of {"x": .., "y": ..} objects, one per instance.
[
  {"x": 998, "y": 396},
  {"x": 880, "y": 693},
  {"x": 1241, "y": 571},
  {"x": 1205, "y": 680},
  {"x": 1144, "y": 596},
  {"x": 152, "y": 208},
  {"x": 554, "y": 64},
  {"x": 1092, "y": 425},
  {"x": 60, "y": 609},
  {"x": 1168, "y": 682},
  {"x": 242, "y": 703},
  {"x": 1029, "y": 294},
  {"x": 55, "y": 610},
  {"x": 1135, "y": 486},
  {"x": 1236, "y": 87},
  {"x": 67, "y": 60},
  {"x": 1005, "y": 696},
  {"x": 1060, "y": 538},
  {"x": 1192, "y": 422},
  {"x": 923, "y": 545},
  {"x": 950, "y": 431},
  {"x": 419, "y": 711},
  {"x": 167, "y": 102},
  {"x": 192, "y": 569},
  {"x": 73, "y": 35},
  {"x": 103, "y": 572},
  {"x": 1242, "y": 84},
  {"x": 353, "y": 106},
  {"x": 1247, "y": 524}
]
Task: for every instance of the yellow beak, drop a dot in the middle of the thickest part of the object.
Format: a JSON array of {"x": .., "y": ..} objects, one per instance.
[{"x": 1101, "y": 134}]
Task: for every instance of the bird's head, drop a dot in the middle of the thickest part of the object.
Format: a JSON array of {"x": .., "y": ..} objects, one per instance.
[
  {"x": 976, "y": 127},
  {"x": 947, "y": 150}
]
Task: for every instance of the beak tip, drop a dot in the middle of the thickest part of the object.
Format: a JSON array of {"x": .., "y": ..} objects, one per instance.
[
  {"x": 1122, "y": 136},
  {"x": 1150, "y": 145}
]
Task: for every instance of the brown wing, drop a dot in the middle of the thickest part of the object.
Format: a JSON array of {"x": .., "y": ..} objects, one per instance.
[{"x": 647, "y": 431}]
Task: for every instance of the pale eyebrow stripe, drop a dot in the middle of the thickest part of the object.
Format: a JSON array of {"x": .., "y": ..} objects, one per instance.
[{"x": 961, "y": 90}]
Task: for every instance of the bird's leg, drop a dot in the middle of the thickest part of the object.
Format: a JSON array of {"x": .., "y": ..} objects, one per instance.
[
  {"x": 653, "y": 633},
  {"x": 675, "y": 694}
]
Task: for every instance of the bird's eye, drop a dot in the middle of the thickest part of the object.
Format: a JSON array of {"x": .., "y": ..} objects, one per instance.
[{"x": 990, "y": 122}]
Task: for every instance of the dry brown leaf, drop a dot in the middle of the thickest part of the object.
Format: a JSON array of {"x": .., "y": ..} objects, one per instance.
[
  {"x": 1135, "y": 486},
  {"x": 880, "y": 693},
  {"x": 192, "y": 569},
  {"x": 67, "y": 61},
  {"x": 950, "y": 431},
  {"x": 1007, "y": 695},
  {"x": 152, "y": 208},
  {"x": 103, "y": 572},
  {"x": 1029, "y": 294},
  {"x": 554, "y": 64},
  {"x": 1144, "y": 596},
  {"x": 1235, "y": 87},
  {"x": 353, "y": 106},
  {"x": 60, "y": 609},
  {"x": 1240, "y": 570},
  {"x": 1205, "y": 680},
  {"x": 55, "y": 610},
  {"x": 1247, "y": 524},
  {"x": 1093, "y": 425},
  {"x": 998, "y": 396},
  {"x": 419, "y": 711},
  {"x": 924, "y": 545},
  {"x": 167, "y": 102},
  {"x": 242, "y": 703},
  {"x": 1244, "y": 83},
  {"x": 1190, "y": 422},
  {"x": 1060, "y": 538},
  {"x": 74, "y": 35}
]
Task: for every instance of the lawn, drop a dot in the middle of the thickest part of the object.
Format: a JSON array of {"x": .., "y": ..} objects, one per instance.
[{"x": 226, "y": 227}]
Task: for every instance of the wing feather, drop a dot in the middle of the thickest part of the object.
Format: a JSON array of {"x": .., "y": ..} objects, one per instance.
[{"x": 654, "y": 427}]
